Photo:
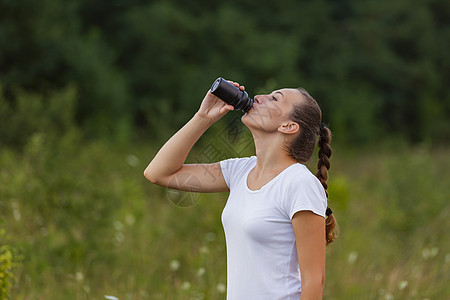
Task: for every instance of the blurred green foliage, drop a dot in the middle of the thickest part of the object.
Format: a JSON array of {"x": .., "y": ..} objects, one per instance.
[
  {"x": 87, "y": 224},
  {"x": 33, "y": 113},
  {"x": 377, "y": 67},
  {"x": 393, "y": 242},
  {"x": 8, "y": 260}
]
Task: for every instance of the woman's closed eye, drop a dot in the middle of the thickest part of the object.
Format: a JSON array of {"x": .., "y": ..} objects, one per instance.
[{"x": 274, "y": 99}]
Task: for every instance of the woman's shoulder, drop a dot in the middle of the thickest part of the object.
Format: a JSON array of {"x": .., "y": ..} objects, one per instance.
[
  {"x": 299, "y": 174},
  {"x": 238, "y": 163},
  {"x": 239, "y": 160},
  {"x": 301, "y": 181}
]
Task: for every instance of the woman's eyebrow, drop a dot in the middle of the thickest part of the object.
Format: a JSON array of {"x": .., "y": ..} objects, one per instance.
[{"x": 279, "y": 93}]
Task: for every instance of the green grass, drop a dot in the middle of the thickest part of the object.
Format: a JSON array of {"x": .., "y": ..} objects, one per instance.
[{"x": 86, "y": 224}]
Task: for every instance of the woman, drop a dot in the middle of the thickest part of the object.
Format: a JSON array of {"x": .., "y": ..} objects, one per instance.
[{"x": 276, "y": 220}]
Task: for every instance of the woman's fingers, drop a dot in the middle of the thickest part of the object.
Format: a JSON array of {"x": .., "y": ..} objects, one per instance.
[
  {"x": 241, "y": 87},
  {"x": 229, "y": 107}
]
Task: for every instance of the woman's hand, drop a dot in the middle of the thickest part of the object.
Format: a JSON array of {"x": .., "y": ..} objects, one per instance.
[{"x": 212, "y": 108}]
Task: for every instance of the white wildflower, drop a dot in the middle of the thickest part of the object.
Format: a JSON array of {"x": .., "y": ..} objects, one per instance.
[
  {"x": 388, "y": 296},
  {"x": 402, "y": 285},
  {"x": 204, "y": 250},
  {"x": 210, "y": 236},
  {"x": 221, "y": 288},
  {"x": 201, "y": 272},
  {"x": 426, "y": 253},
  {"x": 119, "y": 237},
  {"x": 130, "y": 219},
  {"x": 118, "y": 225},
  {"x": 434, "y": 251},
  {"x": 16, "y": 212},
  {"x": 132, "y": 160},
  {"x": 86, "y": 289},
  {"x": 352, "y": 257},
  {"x": 185, "y": 286},
  {"x": 174, "y": 265},
  {"x": 79, "y": 276}
]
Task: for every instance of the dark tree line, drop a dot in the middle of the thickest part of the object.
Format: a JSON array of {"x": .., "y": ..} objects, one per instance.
[{"x": 378, "y": 68}]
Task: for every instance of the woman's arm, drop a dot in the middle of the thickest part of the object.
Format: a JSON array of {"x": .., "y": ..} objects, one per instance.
[
  {"x": 168, "y": 169},
  {"x": 309, "y": 230}
]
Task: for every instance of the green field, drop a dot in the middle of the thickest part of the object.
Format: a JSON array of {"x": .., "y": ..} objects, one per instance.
[{"x": 82, "y": 223}]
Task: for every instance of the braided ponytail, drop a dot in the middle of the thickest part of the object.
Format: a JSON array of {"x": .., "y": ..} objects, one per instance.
[
  {"x": 323, "y": 165},
  {"x": 308, "y": 115}
]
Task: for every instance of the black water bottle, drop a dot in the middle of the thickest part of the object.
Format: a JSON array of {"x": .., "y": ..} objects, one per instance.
[{"x": 231, "y": 94}]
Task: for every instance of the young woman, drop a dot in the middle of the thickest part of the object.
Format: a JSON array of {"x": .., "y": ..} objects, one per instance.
[{"x": 276, "y": 220}]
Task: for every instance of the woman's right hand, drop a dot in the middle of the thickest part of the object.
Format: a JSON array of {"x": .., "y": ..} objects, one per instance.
[{"x": 212, "y": 108}]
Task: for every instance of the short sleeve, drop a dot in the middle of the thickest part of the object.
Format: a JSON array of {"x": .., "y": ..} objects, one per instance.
[
  {"x": 231, "y": 168},
  {"x": 305, "y": 194}
]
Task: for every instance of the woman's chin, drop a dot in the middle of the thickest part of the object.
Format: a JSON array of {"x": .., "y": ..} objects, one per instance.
[
  {"x": 249, "y": 122},
  {"x": 245, "y": 119}
]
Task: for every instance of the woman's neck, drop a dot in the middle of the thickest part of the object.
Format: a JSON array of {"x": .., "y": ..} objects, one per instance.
[{"x": 271, "y": 155}]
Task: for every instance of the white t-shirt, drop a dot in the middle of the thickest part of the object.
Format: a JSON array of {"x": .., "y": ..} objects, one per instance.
[{"x": 262, "y": 258}]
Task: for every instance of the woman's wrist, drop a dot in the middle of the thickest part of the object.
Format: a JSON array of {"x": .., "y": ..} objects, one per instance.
[{"x": 202, "y": 120}]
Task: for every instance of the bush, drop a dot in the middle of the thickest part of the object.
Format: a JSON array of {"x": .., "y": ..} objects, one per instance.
[
  {"x": 26, "y": 114},
  {"x": 8, "y": 261}
]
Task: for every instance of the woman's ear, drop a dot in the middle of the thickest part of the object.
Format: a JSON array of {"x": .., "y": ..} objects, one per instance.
[{"x": 289, "y": 127}]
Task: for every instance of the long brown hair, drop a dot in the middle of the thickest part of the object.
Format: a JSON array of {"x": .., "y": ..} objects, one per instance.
[{"x": 309, "y": 116}]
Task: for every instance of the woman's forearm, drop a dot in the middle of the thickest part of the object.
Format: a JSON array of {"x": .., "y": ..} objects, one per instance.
[
  {"x": 172, "y": 155},
  {"x": 312, "y": 291}
]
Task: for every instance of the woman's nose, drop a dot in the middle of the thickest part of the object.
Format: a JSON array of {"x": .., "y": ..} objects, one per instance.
[{"x": 256, "y": 98}]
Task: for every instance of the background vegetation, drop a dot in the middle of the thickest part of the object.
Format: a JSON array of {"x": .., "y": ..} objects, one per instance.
[{"x": 89, "y": 91}]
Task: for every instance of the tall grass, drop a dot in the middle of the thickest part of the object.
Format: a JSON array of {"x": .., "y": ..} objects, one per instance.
[{"x": 87, "y": 224}]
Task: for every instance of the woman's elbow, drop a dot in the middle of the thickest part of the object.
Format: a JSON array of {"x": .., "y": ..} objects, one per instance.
[{"x": 148, "y": 174}]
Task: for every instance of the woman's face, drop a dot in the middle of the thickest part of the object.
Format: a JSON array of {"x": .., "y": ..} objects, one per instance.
[{"x": 271, "y": 111}]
